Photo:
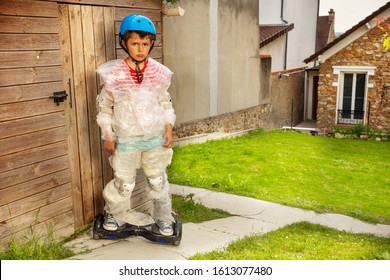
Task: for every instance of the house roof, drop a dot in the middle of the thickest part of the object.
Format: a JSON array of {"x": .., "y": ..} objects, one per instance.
[
  {"x": 270, "y": 32},
  {"x": 325, "y": 30},
  {"x": 348, "y": 32}
]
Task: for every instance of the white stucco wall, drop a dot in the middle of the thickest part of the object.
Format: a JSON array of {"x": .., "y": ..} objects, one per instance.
[
  {"x": 270, "y": 11},
  {"x": 302, "y": 39},
  {"x": 213, "y": 50},
  {"x": 276, "y": 50}
]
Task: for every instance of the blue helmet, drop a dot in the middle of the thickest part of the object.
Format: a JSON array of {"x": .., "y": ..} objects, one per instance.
[{"x": 136, "y": 22}]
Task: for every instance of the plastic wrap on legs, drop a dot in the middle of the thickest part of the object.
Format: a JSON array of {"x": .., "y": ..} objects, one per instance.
[
  {"x": 119, "y": 207},
  {"x": 125, "y": 166},
  {"x": 162, "y": 207},
  {"x": 115, "y": 203},
  {"x": 124, "y": 189},
  {"x": 154, "y": 164},
  {"x": 156, "y": 184},
  {"x": 117, "y": 193}
]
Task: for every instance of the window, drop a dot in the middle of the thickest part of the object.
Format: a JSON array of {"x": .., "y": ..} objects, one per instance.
[
  {"x": 351, "y": 105},
  {"x": 352, "y": 92}
]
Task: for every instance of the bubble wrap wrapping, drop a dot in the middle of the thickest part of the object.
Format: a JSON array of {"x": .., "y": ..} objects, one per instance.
[
  {"x": 125, "y": 164},
  {"x": 138, "y": 109}
]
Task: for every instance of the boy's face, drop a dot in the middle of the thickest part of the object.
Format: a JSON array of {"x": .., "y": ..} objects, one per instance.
[{"x": 138, "y": 47}]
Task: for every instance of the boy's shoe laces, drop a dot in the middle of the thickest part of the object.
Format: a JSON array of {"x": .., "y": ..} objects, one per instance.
[
  {"x": 165, "y": 228},
  {"x": 110, "y": 223}
]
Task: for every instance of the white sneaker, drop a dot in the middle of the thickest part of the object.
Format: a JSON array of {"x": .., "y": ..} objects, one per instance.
[{"x": 165, "y": 228}]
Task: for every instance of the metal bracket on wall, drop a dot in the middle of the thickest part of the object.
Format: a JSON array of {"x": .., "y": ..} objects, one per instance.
[{"x": 59, "y": 96}]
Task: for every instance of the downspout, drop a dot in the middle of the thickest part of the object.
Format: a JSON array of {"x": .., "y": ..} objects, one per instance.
[
  {"x": 286, "y": 42},
  {"x": 316, "y": 42},
  {"x": 305, "y": 113}
]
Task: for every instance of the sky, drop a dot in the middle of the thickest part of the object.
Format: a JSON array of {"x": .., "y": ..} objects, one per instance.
[{"x": 349, "y": 12}]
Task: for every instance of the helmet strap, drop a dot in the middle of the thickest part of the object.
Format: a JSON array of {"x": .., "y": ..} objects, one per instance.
[{"x": 138, "y": 71}]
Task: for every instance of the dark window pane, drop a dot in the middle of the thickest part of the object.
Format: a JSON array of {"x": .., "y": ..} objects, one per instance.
[
  {"x": 347, "y": 91},
  {"x": 359, "y": 95}
]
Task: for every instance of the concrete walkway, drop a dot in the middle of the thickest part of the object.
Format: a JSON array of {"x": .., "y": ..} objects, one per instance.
[{"x": 251, "y": 216}]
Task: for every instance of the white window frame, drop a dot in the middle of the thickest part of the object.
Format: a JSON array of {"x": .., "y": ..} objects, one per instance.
[{"x": 340, "y": 71}]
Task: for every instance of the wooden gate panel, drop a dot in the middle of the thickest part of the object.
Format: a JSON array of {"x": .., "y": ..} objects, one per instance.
[
  {"x": 30, "y": 75},
  {"x": 30, "y": 172},
  {"x": 60, "y": 214},
  {"x": 89, "y": 14},
  {"x": 33, "y": 155},
  {"x": 81, "y": 107},
  {"x": 32, "y": 8},
  {"x": 34, "y": 123},
  {"x": 105, "y": 51},
  {"x": 46, "y": 58},
  {"x": 32, "y": 140},
  {"x": 31, "y": 203},
  {"x": 29, "y": 109},
  {"x": 29, "y": 92},
  {"x": 34, "y": 160},
  {"x": 13, "y": 42},
  {"x": 52, "y": 167},
  {"x": 11, "y": 24},
  {"x": 44, "y": 213},
  {"x": 29, "y": 188}
]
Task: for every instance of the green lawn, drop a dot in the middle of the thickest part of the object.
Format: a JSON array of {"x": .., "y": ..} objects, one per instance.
[
  {"x": 300, "y": 241},
  {"x": 304, "y": 241},
  {"x": 323, "y": 174},
  {"x": 188, "y": 210}
]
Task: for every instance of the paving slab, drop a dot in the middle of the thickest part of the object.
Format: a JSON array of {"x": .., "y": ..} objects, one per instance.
[{"x": 341, "y": 222}]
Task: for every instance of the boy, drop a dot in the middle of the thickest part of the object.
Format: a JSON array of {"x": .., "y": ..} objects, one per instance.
[{"x": 136, "y": 119}]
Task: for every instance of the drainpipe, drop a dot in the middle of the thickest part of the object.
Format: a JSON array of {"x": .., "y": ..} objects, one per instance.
[
  {"x": 316, "y": 42},
  {"x": 305, "y": 113},
  {"x": 286, "y": 42}
]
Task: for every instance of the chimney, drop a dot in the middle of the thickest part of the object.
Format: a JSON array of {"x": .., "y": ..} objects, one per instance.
[{"x": 331, "y": 16}]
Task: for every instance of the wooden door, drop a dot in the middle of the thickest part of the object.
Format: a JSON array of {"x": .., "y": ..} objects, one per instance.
[
  {"x": 36, "y": 168},
  {"x": 87, "y": 40},
  {"x": 52, "y": 168}
]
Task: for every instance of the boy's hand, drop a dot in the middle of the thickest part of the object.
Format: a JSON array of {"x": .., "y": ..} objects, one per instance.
[
  {"x": 109, "y": 145},
  {"x": 168, "y": 138}
]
